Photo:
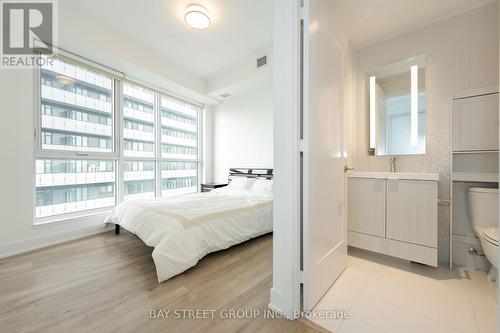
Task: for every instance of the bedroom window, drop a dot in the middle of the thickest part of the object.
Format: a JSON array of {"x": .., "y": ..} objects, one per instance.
[
  {"x": 139, "y": 121},
  {"x": 101, "y": 139},
  {"x": 139, "y": 137},
  {"x": 75, "y": 155},
  {"x": 76, "y": 108},
  {"x": 179, "y": 146}
]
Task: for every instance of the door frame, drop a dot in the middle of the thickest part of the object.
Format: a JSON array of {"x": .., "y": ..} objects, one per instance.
[{"x": 285, "y": 292}]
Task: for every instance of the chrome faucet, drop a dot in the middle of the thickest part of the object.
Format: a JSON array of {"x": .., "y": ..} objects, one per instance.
[{"x": 393, "y": 163}]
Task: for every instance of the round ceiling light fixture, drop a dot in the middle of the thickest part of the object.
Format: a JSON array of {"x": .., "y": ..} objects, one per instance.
[{"x": 197, "y": 17}]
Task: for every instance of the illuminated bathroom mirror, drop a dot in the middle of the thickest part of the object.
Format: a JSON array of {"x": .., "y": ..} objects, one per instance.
[{"x": 396, "y": 108}]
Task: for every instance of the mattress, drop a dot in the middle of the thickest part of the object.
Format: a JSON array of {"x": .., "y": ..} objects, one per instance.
[{"x": 183, "y": 229}]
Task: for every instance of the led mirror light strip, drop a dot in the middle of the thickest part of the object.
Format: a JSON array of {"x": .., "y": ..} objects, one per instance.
[
  {"x": 414, "y": 106},
  {"x": 372, "y": 111}
]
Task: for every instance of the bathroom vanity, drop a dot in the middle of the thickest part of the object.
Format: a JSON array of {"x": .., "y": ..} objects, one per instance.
[{"x": 394, "y": 213}]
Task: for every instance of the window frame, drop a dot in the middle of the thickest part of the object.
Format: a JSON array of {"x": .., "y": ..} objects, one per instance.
[{"x": 117, "y": 154}]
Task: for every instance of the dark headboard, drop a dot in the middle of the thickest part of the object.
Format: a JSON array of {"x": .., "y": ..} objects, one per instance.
[{"x": 261, "y": 173}]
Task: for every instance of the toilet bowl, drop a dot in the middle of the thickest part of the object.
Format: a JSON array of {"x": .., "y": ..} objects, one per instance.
[{"x": 483, "y": 216}]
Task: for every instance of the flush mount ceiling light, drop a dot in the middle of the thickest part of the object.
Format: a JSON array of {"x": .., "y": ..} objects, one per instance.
[{"x": 197, "y": 17}]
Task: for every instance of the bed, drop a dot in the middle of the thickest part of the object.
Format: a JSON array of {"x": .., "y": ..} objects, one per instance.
[{"x": 183, "y": 229}]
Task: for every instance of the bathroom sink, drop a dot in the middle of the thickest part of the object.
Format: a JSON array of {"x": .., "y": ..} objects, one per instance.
[{"x": 395, "y": 175}]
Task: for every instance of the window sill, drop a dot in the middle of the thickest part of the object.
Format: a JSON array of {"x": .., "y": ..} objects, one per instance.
[{"x": 62, "y": 219}]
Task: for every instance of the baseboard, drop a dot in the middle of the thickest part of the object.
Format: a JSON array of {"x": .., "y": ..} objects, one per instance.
[
  {"x": 276, "y": 297},
  {"x": 473, "y": 240},
  {"x": 313, "y": 325},
  {"x": 279, "y": 311},
  {"x": 36, "y": 243}
]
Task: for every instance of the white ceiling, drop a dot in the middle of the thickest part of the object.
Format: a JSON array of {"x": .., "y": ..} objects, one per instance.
[
  {"x": 367, "y": 22},
  {"x": 240, "y": 29}
]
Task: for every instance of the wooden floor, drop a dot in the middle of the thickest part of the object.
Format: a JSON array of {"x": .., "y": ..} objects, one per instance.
[{"x": 107, "y": 283}]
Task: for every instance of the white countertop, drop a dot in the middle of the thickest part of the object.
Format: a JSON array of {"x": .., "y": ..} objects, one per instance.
[{"x": 395, "y": 175}]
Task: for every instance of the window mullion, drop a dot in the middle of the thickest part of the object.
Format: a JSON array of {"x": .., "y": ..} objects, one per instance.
[
  {"x": 37, "y": 76},
  {"x": 120, "y": 184},
  {"x": 199, "y": 156},
  {"x": 158, "y": 145}
]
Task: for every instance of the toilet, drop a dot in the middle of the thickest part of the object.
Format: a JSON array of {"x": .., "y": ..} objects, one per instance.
[{"x": 483, "y": 216}]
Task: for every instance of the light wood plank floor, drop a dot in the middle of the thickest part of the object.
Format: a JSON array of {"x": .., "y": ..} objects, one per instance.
[{"x": 107, "y": 283}]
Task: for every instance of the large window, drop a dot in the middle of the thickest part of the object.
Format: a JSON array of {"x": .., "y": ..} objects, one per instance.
[
  {"x": 75, "y": 161},
  {"x": 138, "y": 121},
  {"x": 76, "y": 108},
  {"x": 86, "y": 142},
  {"x": 139, "y": 142},
  {"x": 179, "y": 146}
]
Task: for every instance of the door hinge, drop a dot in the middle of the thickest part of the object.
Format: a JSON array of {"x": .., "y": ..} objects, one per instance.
[
  {"x": 301, "y": 145},
  {"x": 301, "y": 277},
  {"x": 34, "y": 134},
  {"x": 302, "y": 13}
]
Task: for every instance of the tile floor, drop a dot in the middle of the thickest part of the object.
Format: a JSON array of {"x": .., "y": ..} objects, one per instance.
[{"x": 387, "y": 295}]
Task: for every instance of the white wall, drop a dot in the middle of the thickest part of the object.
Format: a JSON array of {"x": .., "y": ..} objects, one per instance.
[
  {"x": 92, "y": 39},
  {"x": 243, "y": 132},
  {"x": 461, "y": 53}
]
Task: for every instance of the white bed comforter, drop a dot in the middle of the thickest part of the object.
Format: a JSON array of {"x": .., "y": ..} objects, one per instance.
[{"x": 185, "y": 228}]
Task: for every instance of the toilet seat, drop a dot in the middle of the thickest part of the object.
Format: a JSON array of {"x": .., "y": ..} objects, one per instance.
[{"x": 491, "y": 235}]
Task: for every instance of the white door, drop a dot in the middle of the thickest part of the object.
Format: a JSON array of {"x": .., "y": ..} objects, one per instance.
[{"x": 324, "y": 225}]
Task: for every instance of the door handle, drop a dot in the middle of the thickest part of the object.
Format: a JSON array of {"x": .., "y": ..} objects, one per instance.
[{"x": 347, "y": 168}]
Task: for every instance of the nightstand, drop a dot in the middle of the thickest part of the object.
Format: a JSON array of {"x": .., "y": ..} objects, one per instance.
[{"x": 207, "y": 187}]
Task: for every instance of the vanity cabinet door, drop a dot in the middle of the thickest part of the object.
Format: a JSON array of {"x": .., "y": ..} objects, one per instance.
[
  {"x": 412, "y": 211},
  {"x": 475, "y": 123},
  {"x": 366, "y": 206}
]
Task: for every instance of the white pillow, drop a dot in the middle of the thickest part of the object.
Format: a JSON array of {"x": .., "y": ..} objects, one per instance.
[
  {"x": 241, "y": 183},
  {"x": 263, "y": 185}
]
